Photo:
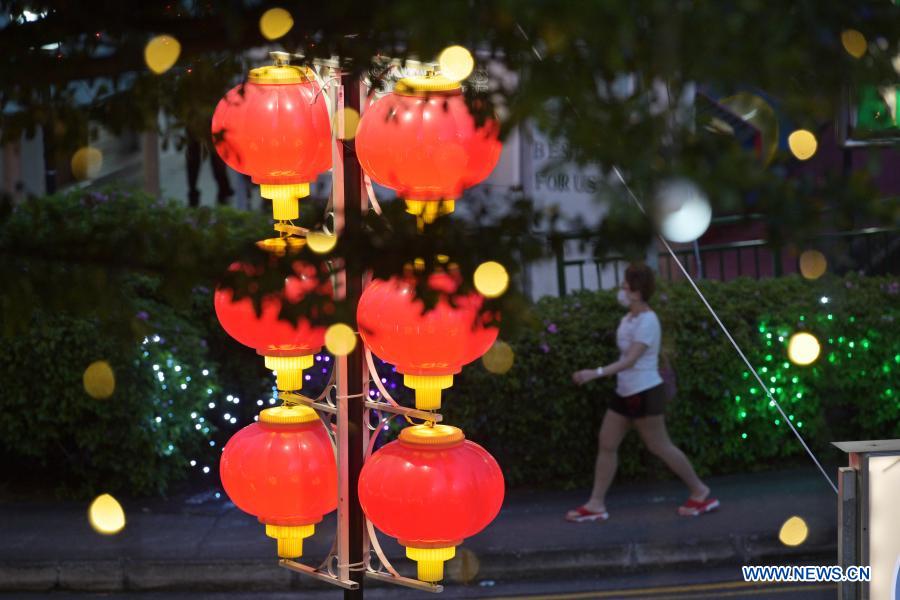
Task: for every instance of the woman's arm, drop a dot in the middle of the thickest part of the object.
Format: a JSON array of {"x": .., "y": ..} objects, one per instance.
[{"x": 634, "y": 352}]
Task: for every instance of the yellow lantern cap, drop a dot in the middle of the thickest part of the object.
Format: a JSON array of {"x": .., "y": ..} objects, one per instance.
[
  {"x": 421, "y": 86},
  {"x": 434, "y": 436},
  {"x": 281, "y": 75},
  {"x": 288, "y": 415}
]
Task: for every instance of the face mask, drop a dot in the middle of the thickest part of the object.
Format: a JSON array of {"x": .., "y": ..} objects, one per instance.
[{"x": 623, "y": 298}]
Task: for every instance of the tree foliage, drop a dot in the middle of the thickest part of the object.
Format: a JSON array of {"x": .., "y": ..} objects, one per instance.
[{"x": 561, "y": 62}]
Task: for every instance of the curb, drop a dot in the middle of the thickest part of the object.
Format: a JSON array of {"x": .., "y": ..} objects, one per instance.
[{"x": 253, "y": 575}]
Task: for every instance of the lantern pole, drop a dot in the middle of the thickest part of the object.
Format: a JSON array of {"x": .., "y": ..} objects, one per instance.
[
  {"x": 357, "y": 371},
  {"x": 348, "y": 562}
]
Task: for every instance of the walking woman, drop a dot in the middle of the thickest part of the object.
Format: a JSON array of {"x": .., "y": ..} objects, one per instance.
[{"x": 639, "y": 401}]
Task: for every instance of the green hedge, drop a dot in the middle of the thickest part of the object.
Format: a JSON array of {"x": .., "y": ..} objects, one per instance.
[
  {"x": 134, "y": 277},
  {"x": 543, "y": 428},
  {"x": 153, "y": 278}
]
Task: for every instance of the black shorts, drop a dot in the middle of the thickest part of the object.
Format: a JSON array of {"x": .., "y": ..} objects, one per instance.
[{"x": 643, "y": 404}]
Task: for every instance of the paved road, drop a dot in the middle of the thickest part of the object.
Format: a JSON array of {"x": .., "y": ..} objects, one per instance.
[{"x": 696, "y": 584}]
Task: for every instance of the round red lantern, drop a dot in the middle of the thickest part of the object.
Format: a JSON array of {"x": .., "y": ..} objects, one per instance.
[
  {"x": 428, "y": 348},
  {"x": 287, "y": 348},
  {"x": 422, "y": 141},
  {"x": 431, "y": 489},
  {"x": 275, "y": 128},
  {"x": 283, "y": 471}
]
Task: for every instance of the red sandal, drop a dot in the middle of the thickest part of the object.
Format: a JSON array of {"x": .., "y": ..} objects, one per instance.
[
  {"x": 695, "y": 508},
  {"x": 583, "y": 515}
]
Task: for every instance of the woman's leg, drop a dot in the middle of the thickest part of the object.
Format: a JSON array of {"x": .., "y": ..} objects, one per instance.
[
  {"x": 656, "y": 437},
  {"x": 612, "y": 432}
]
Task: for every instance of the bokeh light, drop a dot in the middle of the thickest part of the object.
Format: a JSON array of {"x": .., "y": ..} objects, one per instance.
[
  {"x": 275, "y": 23},
  {"x": 161, "y": 53},
  {"x": 346, "y": 126},
  {"x": 106, "y": 515},
  {"x": 99, "y": 380},
  {"x": 491, "y": 279},
  {"x": 321, "y": 242},
  {"x": 464, "y": 567},
  {"x": 813, "y": 264},
  {"x": 854, "y": 42},
  {"x": 759, "y": 113},
  {"x": 499, "y": 358},
  {"x": 802, "y": 144},
  {"x": 793, "y": 532},
  {"x": 803, "y": 348},
  {"x": 86, "y": 162},
  {"x": 456, "y": 63},
  {"x": 682, "y": 210},
  {"x": 340, "y": 339}
]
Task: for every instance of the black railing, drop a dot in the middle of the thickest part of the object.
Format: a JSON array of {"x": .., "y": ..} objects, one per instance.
[{"x": 873, "y": 251}]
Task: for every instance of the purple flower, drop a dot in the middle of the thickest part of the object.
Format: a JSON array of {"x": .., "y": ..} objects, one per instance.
[
  {"x": 545, "y": 348},
  {"x": 142, "y": 315},
  {"x": 664, "y": 297},
  {"x": 552, "y": 328}
]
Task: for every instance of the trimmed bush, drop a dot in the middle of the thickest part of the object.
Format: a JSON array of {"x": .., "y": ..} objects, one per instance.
[
  {"x": 136, "y": 275},
  {"x": 159, "y": 330}
]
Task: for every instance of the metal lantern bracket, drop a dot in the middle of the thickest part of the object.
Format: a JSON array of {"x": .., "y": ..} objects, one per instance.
[
  {"x": 327, "y": 403},
  {"x": 345, "y": 406}
]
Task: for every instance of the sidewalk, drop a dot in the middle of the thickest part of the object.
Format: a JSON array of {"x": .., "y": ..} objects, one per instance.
[{"x": 201, "y": 543}]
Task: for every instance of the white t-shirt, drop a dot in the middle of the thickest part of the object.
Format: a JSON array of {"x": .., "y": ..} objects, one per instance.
[{"x": 643, "y": 328}]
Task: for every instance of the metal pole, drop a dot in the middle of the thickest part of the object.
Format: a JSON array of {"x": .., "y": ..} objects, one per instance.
[
  {"x": 356, "y": 369},
  {"x": 559, "y": 249},
  {"x": 698, "y": 260}
]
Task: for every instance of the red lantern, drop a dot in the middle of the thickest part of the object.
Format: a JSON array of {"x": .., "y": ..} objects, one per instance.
[
  {"x": 282, "y": 470},
  {"x": 421, "y": 141},
  {"x": 427, "y": 347},
  {"x": 287, "y": 348},
  {"x": 431, "y": 489},
  {"x": 275, "y": 128}
]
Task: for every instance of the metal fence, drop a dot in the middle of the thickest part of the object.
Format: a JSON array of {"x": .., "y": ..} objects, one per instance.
[{"x": 872, "y": 251}]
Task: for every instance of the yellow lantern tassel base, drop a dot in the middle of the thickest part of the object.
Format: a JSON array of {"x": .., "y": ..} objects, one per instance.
[
  {"x": 429, "y": 210},
  {"x": 289, "y": 370},
  {"x": 430, "y": 561},
  {"x": 285, "y": 205},
  {"x": 428, "y": 389},
  {"x": 290, "y": 538}
]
